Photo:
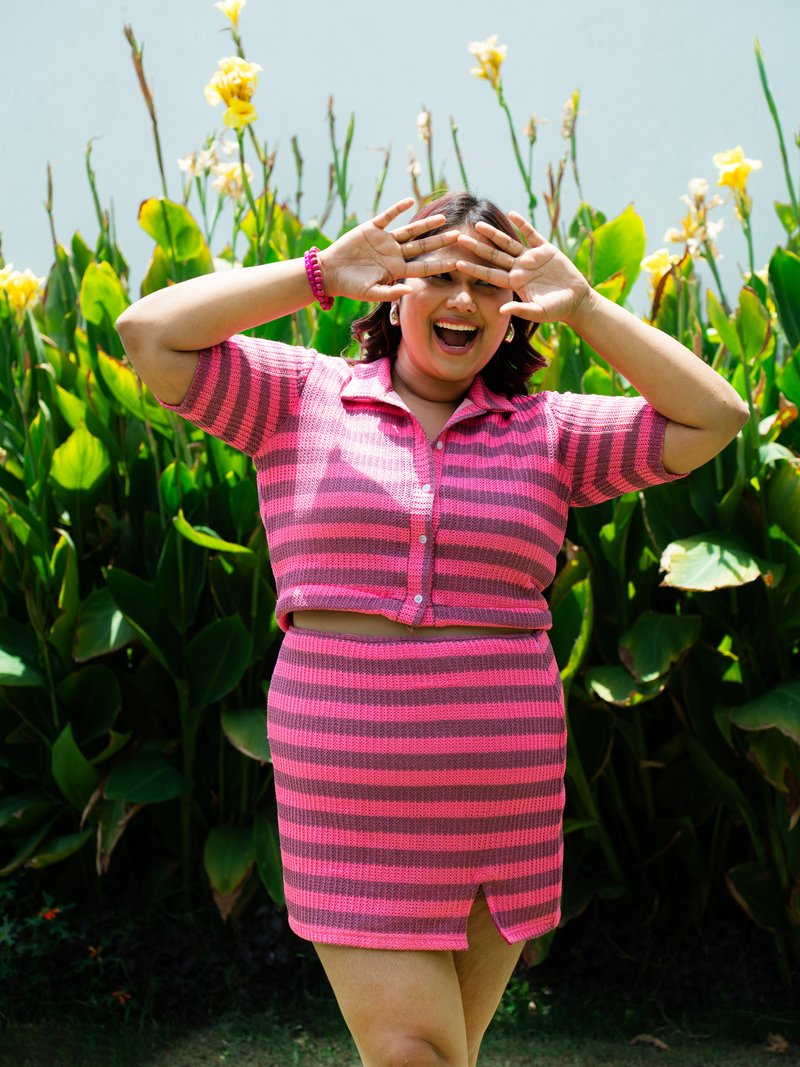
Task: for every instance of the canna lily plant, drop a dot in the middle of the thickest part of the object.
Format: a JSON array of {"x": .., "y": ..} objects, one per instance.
[{"x": 136, "y": 605}]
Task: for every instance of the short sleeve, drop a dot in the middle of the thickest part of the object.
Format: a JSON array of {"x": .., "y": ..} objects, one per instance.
[
  {"x": 609, "y": 445},
  {"x": 243, "y": 388}
]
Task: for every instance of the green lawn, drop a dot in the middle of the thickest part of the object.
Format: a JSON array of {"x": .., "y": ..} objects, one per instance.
[{"x": 321, "y": 1040}]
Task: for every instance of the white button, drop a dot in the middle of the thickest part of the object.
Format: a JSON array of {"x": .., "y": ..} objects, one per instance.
[
  {"x": 426, "y": 488},
  {"x": 423, "y": 539},
  {"x": 417, "y": 599},
  {"x": 440, "y": 444}
]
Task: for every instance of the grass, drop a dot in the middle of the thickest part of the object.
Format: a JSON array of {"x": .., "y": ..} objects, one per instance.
[{"x": 313, "y": 1035}]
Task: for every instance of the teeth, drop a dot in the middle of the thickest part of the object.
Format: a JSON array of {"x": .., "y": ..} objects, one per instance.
[{"x": 455, "y": 326}]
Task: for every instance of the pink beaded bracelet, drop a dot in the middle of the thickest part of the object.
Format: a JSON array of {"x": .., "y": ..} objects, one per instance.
[{"x": 315, "y": 279}]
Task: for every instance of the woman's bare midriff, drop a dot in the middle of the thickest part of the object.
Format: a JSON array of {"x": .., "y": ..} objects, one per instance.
[{"x": 360, "y": 624}]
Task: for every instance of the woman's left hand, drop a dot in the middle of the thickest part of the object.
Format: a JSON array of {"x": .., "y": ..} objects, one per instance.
[{"x": 550, "y": 288}]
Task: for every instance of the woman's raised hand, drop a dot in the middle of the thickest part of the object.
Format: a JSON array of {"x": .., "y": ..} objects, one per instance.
[
  {"x": 365, "y": 261},
  {"x": 550, "y": 288}
]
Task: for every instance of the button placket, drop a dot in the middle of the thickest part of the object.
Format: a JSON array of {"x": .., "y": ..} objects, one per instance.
[{"x": 421, "y": 528}]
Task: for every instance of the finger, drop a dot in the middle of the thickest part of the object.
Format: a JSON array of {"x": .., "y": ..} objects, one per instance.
[
  {"x": 488, "y": 252},
  {"x": 391, "y": 213},
  {"x": 524, "y": 311},
  {"x": 533, "y": 237},
  {"x": 425, "y": 268},
  {"x": 384, "y": 293},
  {"x": 502, "y": 240},
  {"x": 414, "y": 229},
  {"x": 497, "y": 277},
  {"x": 429, "y": 244}
]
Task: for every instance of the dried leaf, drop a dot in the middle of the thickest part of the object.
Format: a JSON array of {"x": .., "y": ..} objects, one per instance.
[
  {"x": 648, "y": 1039},
  {"x": 776, "y": 1043}
]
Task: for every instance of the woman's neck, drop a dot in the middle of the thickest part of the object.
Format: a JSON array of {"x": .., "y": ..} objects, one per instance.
[{"x": 406, "y": 378}]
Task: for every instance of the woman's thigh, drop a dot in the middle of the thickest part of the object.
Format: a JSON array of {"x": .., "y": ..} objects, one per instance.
[
  {"x": 483, "y": 971},
  {"x": 401, "y": 1006}
]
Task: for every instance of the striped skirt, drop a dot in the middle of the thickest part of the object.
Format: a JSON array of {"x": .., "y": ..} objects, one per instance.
[{"x": 411, "y": 771}]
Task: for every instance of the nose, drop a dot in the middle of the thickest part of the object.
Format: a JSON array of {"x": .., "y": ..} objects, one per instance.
[{"x": 461, "y": 300}]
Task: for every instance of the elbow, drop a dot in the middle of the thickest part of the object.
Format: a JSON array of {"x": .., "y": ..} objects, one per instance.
[{"x": 131, "y": 332}]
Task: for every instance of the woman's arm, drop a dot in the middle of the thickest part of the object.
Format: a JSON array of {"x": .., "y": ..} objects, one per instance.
[
  {"x": 163, "y": 332},
  {"x": 703, "y": 410}
]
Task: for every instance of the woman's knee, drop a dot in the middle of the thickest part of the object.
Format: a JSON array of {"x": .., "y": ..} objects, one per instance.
[{"x": 411, "y": 1050}]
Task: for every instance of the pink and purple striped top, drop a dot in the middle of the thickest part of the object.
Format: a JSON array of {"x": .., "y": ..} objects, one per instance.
[{"x": 364, "y": 513}]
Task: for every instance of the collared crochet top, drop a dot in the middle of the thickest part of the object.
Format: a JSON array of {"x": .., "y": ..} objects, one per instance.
[{"x": 364, "y": 513}]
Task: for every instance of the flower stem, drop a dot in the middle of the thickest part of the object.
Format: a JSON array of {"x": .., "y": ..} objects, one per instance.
[
  {"x": 249, "y": 193},
  {"x": 520, "y": 164},
  {"x": 774, "y": 112},
  {"x": 709, "y": 258},
  {"x": 454, "y": 131}
]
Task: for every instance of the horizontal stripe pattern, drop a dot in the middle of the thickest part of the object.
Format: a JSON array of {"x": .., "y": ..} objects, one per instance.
[
  {"x": 348, "y": 483},
  {"x": 391, "y": 817}
]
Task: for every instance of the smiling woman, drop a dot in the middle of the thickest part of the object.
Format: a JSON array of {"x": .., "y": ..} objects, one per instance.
[
  {"x": 513, "y": 363},
  {"x": 414, "y": 503}
]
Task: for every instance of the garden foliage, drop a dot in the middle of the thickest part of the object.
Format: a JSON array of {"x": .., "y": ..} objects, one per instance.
[{"x": 137, "y": 629}]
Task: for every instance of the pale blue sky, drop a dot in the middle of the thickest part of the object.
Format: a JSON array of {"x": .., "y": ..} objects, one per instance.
[{"x": 664, "y": 87}]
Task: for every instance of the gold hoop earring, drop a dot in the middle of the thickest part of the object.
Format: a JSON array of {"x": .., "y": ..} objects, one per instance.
[
  {"x": 510, "y": 334},
  {"x": 394, "y": 318}
]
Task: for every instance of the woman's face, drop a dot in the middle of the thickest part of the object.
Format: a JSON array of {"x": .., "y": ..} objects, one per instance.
[{"x": 451, "y": 322}]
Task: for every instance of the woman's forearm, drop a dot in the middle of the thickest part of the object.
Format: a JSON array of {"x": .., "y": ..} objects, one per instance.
[
  {"x": 204, "y": 311},
  {"x": 707, "y": 411}
]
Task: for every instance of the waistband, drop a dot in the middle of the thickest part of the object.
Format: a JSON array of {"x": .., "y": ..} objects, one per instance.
[{"x": 298, "y": 633}]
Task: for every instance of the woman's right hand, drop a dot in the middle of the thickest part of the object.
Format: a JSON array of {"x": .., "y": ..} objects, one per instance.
[{"x": 363, "y": 263}]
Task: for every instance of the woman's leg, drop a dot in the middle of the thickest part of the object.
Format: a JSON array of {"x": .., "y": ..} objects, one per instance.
[
  {"x": 483, "y": 972},
  {"x": 403, "y": 1008},
  {"x": 422, "y": 1009}
]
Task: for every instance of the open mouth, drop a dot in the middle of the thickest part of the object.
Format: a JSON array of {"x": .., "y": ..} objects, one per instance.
[{"x": 455, "y": 336}]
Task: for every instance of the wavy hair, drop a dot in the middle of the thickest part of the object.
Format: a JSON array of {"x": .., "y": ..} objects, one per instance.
[{"x": 508, "y": 371}]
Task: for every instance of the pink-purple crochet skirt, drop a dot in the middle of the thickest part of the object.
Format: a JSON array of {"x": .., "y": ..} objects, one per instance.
[{"x": 409, "y": 773}]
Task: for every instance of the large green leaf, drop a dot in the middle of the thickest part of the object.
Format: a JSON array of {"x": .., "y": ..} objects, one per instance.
[
  {"x": 332, "y": 335},
  {"x": 779, "y": 708},
  {"x": 722, "y": 324},
  {"x": 18, "y": 654},
  {"x": 656, "y": 642},
  {"x": 783, "y": 498},
  {"x": 208, "y": 540},
  {"x": 752, "y": 322},
  {"x": 93, "y": 699},
  {"x": 76, "y": 777},
  {"x": 778, "y": 760},
  {"x": 102, "y": 294},
  {"x": 788, "y": 378},
  {"x": 27, "y": 847},
  {"x": 572, "y": 629},
  {"x": 757, "y": 891},
  {"x": 617, "y": 686},
  {"x": 58, "y": 847},
  {"x": 22, "y": 811},
  {"x": 101, "y": 627},
  {"x": 146, "y": 778},
  {"x": 172, "y": 227},
  {"x": 178, "y": 590},
  {"x": 784, "y": 282},
  {"x": 81, "y": 462},
  {"x": 137, "y": 600},
  {"x": 596, "y": 380},
  {"x": 216, "y": 659},
  {"x": 268, "y": 856},
  {"x": 228, "y": 857},
  {"x": 246, "y": 729},
  {"x": 124, "y": 385},
  {"x": 725, "y": 787},
  {"x": 112, "y": 818},
  {"x": 713, "y": 561},
  {"x": 618, "y": 245}
]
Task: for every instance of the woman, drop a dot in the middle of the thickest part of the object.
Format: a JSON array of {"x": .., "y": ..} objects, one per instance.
[{"x": 414, "y": 503}]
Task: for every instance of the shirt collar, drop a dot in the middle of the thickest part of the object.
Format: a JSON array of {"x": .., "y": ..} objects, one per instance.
[{"x": 373, "y": 381}]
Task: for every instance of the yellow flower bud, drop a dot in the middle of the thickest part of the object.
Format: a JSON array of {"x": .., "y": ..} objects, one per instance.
[
  {"x": 231, "y": 9},
  {"x": 20, "y": 287},
  {"x": 490, "y": 58},
  {"x": 734, "y": 169}
]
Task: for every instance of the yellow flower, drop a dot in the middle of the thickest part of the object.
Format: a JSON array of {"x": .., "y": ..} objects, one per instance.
[
  {"x": 20, "y": 288},
  {"x": 490, "y": 58},
  {"x": 734, "y": 169},
  {"x": 239, "y": 114},
  {"x": 231, "y": 9},
  {"x": 657, "y": 266},
  {"x": 229, "y": 179},
  {"x": 233, "y": 84}
]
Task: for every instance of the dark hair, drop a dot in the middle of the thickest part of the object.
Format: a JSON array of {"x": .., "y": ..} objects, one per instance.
[{"x": 510, "y": 368}]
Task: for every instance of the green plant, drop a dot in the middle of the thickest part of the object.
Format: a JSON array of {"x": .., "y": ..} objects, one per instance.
[{"x": 132, "y": 549}]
